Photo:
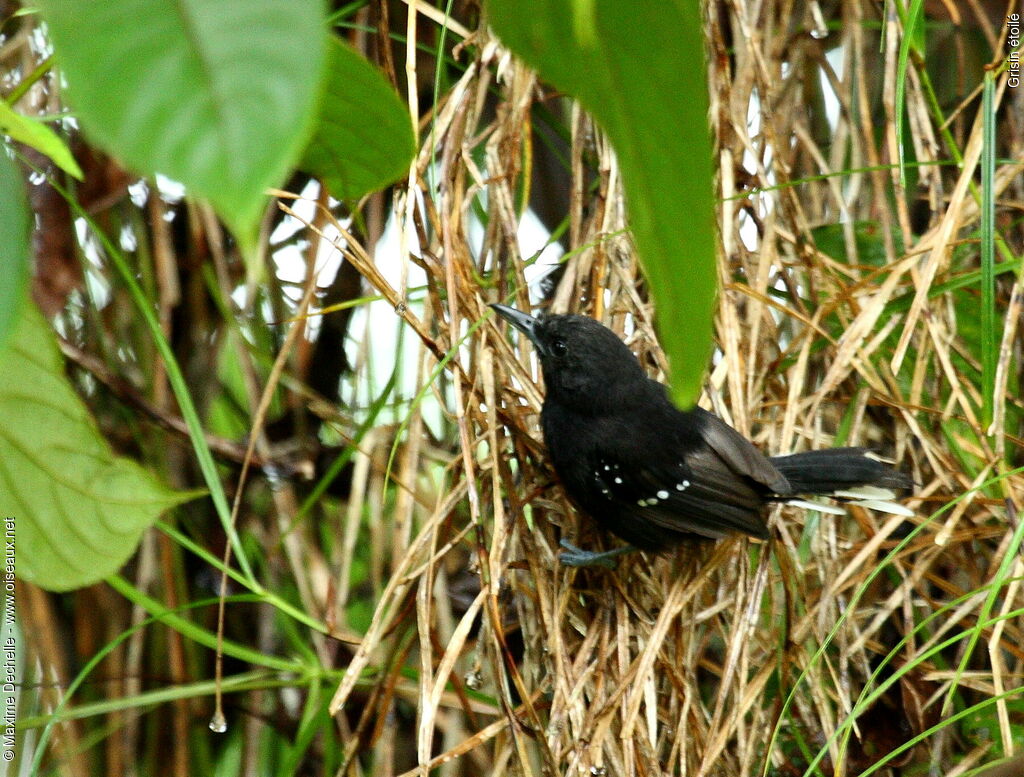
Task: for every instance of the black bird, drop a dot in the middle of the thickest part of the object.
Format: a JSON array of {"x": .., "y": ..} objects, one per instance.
[{"x": 657, "y": 476}]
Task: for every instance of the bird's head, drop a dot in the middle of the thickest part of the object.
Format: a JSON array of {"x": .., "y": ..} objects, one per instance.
[{"x": 585, "y": 364}]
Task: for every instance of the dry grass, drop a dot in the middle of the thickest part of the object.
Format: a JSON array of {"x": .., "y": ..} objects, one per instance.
[
  {"x": 682, "y": 664},
  {"x": 839, "y": 319}
]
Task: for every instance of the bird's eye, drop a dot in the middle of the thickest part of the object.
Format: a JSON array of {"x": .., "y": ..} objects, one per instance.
[{"x": 559, "y": 348}]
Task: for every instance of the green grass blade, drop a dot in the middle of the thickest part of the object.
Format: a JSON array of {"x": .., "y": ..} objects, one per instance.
[{"x": 989, "y": 334}]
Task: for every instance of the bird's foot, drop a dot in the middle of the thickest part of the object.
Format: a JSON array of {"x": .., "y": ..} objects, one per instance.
[{"x": 573, "y": 556}]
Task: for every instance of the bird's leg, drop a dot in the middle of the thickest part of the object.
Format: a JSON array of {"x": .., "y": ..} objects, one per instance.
[{"x": 577, "y": 557}]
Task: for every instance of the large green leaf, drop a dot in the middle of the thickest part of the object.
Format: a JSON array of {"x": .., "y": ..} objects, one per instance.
[
  {"x": 77, "y": 509},
  {"x": 14, "y": 243},
  {"x": 639, "y": 69},
  {"x": 363, "y": 139},
  {"x": 33, "y": 132},
  {"x": 217, "y": 94}
]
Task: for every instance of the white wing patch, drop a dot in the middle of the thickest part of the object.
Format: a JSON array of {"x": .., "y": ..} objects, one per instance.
[{"x": 872, "y": 497}]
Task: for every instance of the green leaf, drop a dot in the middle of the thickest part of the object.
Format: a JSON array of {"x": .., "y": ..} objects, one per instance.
[
  {"x": 34, "y": 133},
  {"x": 639, "y": 69},
  {"x": 912, "y": 40},
  {"x": 77, "y": 509},
  {"x": 868, "y": 239},
  {"x": 15, "y": 227},
  {"x": 363, "y": 139},
  {"x": 982, "y": 725},
  {"x": 220, "y": 96}
]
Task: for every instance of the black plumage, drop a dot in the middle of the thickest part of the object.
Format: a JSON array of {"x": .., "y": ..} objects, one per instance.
[{"x": 655, "y": 475}]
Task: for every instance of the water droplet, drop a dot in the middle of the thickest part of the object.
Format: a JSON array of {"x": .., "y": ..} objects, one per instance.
[
  {"x": 598, "y": 771},
  {"x": 818, "y": 33},
  {"x": 218, "y": 724},
  {"x": 474, "y": 680},
  {"x": 401, "y": 308}
]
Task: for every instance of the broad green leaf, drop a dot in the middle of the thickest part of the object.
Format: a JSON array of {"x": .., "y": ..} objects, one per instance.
[
  {"x": 33, "y": 132},
  {"x": 363, "y": 139},
  {"x": 77, "y": 509},
  {"x": 219, "y": 95},
  {"x": 15, "y": 226},
  {"x": 639, "y": 69}
]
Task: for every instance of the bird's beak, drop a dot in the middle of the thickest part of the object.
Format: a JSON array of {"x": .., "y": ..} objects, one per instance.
[{"x": 524, "y": 322}]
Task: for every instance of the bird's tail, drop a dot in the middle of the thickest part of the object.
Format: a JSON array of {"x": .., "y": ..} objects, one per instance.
[{"x": 850, "y": 474}]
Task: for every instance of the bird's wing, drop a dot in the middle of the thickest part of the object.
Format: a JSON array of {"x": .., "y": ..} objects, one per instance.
[
  {"x": 695, "y": 494},
  {"x": 738, "y": 453}
]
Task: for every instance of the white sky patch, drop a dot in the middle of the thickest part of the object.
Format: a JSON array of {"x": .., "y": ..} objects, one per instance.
[{"x": 837, "y": 60}]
